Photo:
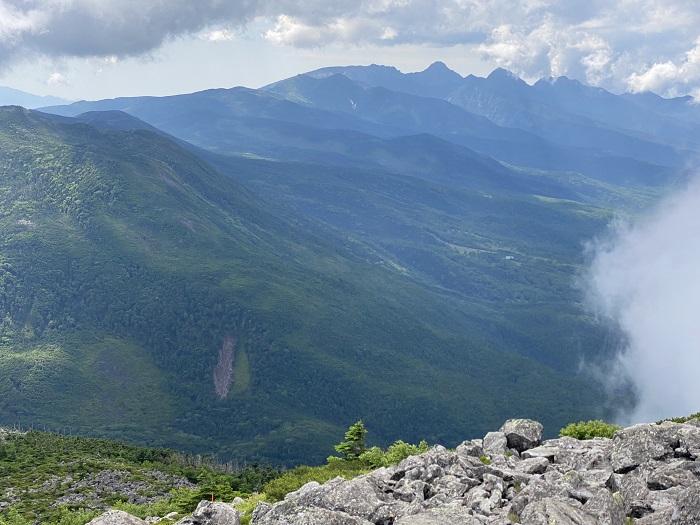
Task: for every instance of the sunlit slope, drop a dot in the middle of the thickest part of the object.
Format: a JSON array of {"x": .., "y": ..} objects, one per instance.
[{"x": 147, "y": 296}]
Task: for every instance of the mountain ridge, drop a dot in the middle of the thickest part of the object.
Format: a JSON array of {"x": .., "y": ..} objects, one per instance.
[{"x": 337, "y": 102}]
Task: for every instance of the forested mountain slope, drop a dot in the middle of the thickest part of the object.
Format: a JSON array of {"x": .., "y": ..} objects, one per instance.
[{"x": 148, "y": 296}]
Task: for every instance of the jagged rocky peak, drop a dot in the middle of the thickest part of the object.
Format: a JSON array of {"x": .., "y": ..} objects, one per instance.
[{"x": 646, "y": 474}]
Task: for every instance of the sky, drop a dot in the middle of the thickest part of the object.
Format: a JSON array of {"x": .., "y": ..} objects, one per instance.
[{"x": 92, "y": 49}]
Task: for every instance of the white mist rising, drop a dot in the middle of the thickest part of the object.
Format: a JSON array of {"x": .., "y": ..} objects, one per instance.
[{"x": 646, "y": 278}]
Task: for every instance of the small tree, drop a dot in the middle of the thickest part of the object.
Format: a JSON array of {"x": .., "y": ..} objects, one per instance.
[{"x": 354, "y": 444}]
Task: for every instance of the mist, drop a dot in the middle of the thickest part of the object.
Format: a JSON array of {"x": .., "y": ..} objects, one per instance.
[{"x": 645, "y": 277}]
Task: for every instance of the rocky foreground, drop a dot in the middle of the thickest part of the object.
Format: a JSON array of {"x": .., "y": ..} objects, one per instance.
[{"x": 646, "y": 474}]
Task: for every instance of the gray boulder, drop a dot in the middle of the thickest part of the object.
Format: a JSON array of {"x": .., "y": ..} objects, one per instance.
[
  {"x": 212, "y": 513},
  {"x": 291, "y": 513},
  {"x": 583, "y": 455},
  {"x": 687, "y": 511},
  {"x": 607, "y": 508},
  {"x": 452, "y": 515},
  {"x": 117, "y": 517},
  {"x": 635, "y": 495},
  {"x": 495, "y": 444},
  {"x": 522, "y": 434},
  {"x": 474, "y": 448},
  {"x": 361, "y": 497},
  {"x": 642, "y": 443},
  {"x": 663, "y": 517},
  {"x": 561, "y": 512}
]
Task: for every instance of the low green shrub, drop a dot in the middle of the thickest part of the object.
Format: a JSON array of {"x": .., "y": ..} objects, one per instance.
[
  {"x": 375, "y": 457},
  {"x": 278, "y": 488},
  {"x": 589, "y": 429},
  {"x": 247, "y": 507}
]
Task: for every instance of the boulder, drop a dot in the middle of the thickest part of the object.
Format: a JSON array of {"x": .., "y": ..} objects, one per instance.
[
  {"x": 663, "y": 517},
  {"x": 522, "y": 434},
  {"x": 607, "y": 508},
  {"x": 361, "y": 498},
  {"x": 117, "y": 517},
  {"x": 687, "y": 511},
  {"x": 452, "y": 515},
  {"x": 548, "y": 451},
  {"x": 495, "y": 444},
  {"x": 552, "y": 510},
  {"x": 474, "y": 448},
  {"x": 289, "y": 512},
  {"x": 635, "y": 495},
  {"x": 642, "y": 443},
  {"x": 212, "y": 513},
  {"x": 583, "y": 454}
]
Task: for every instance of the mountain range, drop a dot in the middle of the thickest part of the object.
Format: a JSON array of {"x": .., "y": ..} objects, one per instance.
[
  {"x": 15, "y": 97},
  {"x": 246, "y": 272}
]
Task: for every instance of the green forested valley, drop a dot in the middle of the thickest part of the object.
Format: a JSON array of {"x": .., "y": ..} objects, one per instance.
[{"x": 253, "y": 309}]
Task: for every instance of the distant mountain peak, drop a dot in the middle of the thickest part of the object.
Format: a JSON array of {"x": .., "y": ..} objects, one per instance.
[
  {"x": 503, "y": 74},
  {"x": 506, "y": 81},
  {"x": 567, "y": 81},
  {"x": 381, "y": 66},
  {"x": 438, "y": 66},
  {"x": 15, "y": 97},
  {"x": 440, "y": 71}
]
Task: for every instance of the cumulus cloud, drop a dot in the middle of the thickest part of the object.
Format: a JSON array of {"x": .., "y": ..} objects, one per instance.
[
  {"x": 618, "y": 44},
  {"x": 220, "y": 35},
  {"x": 646, "y": 279},
  {"x": 670, "y": 77},
  {"x": 58, "y": 79}
]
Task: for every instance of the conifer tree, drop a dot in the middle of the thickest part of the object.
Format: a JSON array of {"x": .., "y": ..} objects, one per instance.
[{"x": 354, "y": 444}]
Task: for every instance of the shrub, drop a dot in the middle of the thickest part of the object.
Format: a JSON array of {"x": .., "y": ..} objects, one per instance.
[
  {"x": 278, "y": 488},
  {"x": 589, "y": 429},
  {"x": 247, "y": 507},
  {"x": 375, "y": 457}
]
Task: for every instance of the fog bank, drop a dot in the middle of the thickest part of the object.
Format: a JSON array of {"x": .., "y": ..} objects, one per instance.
[{"x": 645, "y": 277}]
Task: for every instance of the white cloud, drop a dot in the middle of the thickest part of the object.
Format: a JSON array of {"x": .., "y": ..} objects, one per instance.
[
  {"x": 388, "y": 33},
  {"x": 220, "y": 35},
  {"x": 617, "y": 44},
  {"x": 646, "y": 278},
  {"x": 290, "y": 31},
  {"x": 668, "y": 77},
  {"x": 58, "y": 79}
]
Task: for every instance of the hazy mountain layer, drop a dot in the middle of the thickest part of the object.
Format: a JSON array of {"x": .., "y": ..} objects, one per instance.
[{"x": 315, "y": 119}]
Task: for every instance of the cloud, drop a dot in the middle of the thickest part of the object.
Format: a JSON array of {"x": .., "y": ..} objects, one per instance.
[
  {"x": 220, "y": 35},
  {"x": 69, "y": 28},
  {"x": 646, "y": 279},
  {"x": 617, "y": 44},
  {"x": 58, "y": 79},
  {"x": 669, "y": 77}
]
